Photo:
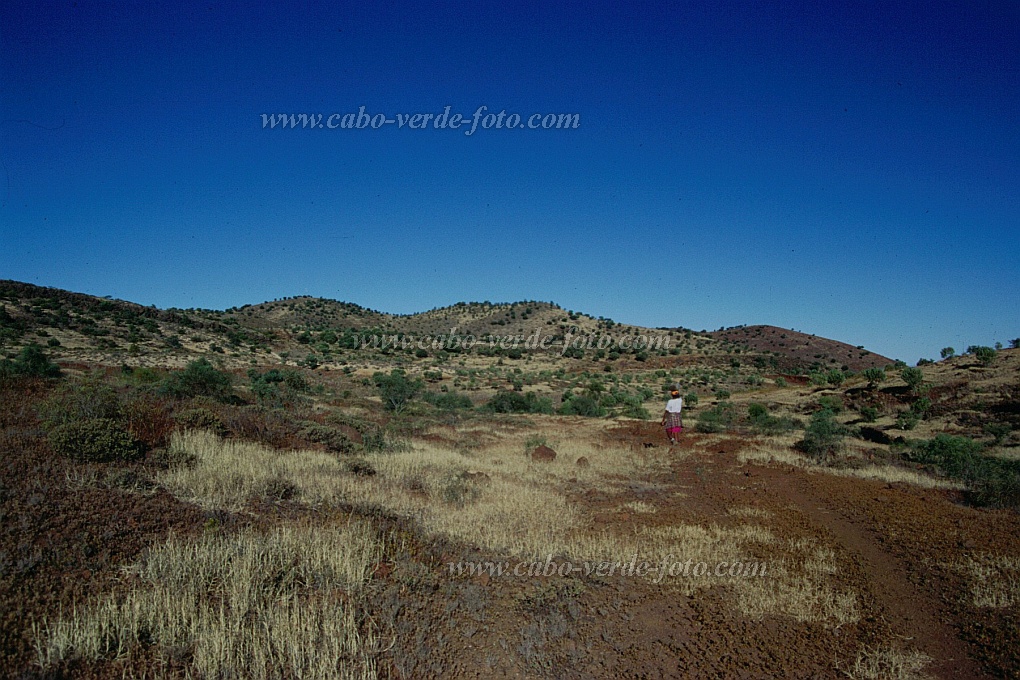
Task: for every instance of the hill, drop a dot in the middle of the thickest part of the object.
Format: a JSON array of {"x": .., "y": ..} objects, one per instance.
[
  {"x": 79, "y": 327},
  {"x": 802, "y": 349}
]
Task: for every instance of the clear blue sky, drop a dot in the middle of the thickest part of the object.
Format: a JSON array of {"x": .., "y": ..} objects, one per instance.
[{"x": 849, "y": 171}]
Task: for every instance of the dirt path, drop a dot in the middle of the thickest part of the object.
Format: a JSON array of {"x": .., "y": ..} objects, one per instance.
[{"x": 889, "y": 595}]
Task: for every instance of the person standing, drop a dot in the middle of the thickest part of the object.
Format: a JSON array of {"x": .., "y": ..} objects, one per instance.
[{"x": 671, "y": 418}]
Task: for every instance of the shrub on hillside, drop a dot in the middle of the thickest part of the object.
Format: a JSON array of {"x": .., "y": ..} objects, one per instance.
[
  {"x": 823, "y": 436},
  {"x": 200, "y": 419},
  {"x": 31, "y": 362},
  {"x": 760, "y": 419},
  {"x": 831, "y": 402},
  {"x": 913, "y": 377},
  {"x": 198, "y": 379},
  {"x": 332, "y": 438},
  {"x": 396, "y": 389},
  {"x": 86, "y": 398},
  {"x": 992, "y": 481},
  {"x": 448, "y": 401},
  {"x": 719, "y": 418},
  {"x": 583, "y": 405},
  {"x": 94, "y": 440},
  {"x": 518, "y": 402}
]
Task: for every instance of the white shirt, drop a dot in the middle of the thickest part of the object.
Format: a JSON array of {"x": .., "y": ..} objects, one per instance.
[{"x": 675, "y": 405}]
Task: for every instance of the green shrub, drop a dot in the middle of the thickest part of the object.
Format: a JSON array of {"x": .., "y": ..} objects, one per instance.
[
  {"x": 199, "y": 419},
  {"x": 690, "y": 399},
  {"x": 518, "y": 402},
  {"x": 907, "y": 420},
  {"x": 86, "y": 398},
  {"x": 992, "y": 481},
  {"x": 396, "y": 389},
  {"x": 31, "y": 362},
  {"x": 835, "y": 377},
  {"x": 869, "y": 414},
  {"x": 94, "y": 440},
  {"x": 448, "y": 401},
  {"x": 823, "y": 436},
  {"x": 198, "y": 379},
  {"x": 913, "y": 377},
  {"x": 332, "y": 438},
  {"x": 874, "y": 376},
  {"x": 583, "y": 405},
  {"x": 831, "y": 402},
  {"x": 722, "y": 394},
  {"x": 761, "y": 421},
  {"x": 780, "y": 382},
  {"x": 719, "y": 418},
  {"x": 985, "y": 355}
]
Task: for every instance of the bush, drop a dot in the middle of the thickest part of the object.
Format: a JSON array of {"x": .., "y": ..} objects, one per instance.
[
  {"x": 332, "y": 438},
  {"x": 94, "y": 440},
  {"x": 719, "y": 418},
  {"x": 992, "y": 481},
  {"x": 199, "y": 379},
  {"x": 518, "y": 402},
  {"x": 831, "y": 403},
  {"x": 448, "y": 401},
  {"x": 907, "y": 420},
  {"x": 985, "y": 355},
  {"x": 722, "y": 394},
  {"x": 583, "y": 405},
  {"x": 823, "y": 436},
  {"x": 31, "y": 362},
  {"x": 200, "y": 419},
  {"x": 874, "y": 376},
  {"x": 84, "y": 399},
  {"x": 764, "y": 423},
  {"x": 869, "y": 414},
  {"x": 396, "y": 389},
  {"x": 690, "y": 399},
  {"x": 913, "y": 377}
]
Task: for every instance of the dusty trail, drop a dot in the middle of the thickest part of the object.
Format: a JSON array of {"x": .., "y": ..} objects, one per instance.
[{"x": 909, "y": 611}]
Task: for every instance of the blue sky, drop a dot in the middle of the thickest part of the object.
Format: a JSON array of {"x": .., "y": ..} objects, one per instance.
[{"x": 848, "y": 170}]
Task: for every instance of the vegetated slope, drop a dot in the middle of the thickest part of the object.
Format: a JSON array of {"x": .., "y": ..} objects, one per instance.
[
  {"x": 84, "y": 327},
  {"x": 801, "y": 348}
]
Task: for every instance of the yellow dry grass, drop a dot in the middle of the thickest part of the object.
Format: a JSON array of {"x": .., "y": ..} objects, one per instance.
[
  {"x": 497, "y": 499},
  {"x": 994, "y": 579},
  {"x": 888, "y": 662},
  {"x": 779, "y": 450},
  {"x": 254, "y": 605}
]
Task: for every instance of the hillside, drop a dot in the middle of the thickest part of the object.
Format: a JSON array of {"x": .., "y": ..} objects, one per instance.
[
  {"x": 79, "y": 327},
  {"x": 799, "y": 349}
]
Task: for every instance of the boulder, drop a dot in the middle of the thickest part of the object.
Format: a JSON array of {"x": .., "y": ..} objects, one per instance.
[{"x": 543, "y": 454}]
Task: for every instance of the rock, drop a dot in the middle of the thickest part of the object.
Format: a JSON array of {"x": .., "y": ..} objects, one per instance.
[
  {"x": 583, "y": 462},
  {"x": 543, "y": 454}
]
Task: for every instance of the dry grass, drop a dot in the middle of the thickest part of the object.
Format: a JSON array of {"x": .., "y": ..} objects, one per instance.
[
  {"x": 639, "y": 507},
  {"x": 800, "y": 588},
  {"x": 994, "y": 579},
  {"x": 888, "y": 663},
  {"x": 497, "y": 499},
  {"x": 256, "y": 605},
  {"x": 780, "y": 450}
]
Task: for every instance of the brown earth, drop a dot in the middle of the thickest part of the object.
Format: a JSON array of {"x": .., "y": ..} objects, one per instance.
[
  {"x": 59, "y": 545},
  {"x": 892, "y": 542}
]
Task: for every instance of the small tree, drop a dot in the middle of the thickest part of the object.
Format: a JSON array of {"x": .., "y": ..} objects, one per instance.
[
  {"x": 913, "y": 377},
  {"x": 30, "y": 362},
  {"x": 823, "y": 436},
  {"x": 874, "y": 376},
  {"x": 948, "y": 352},
  {"x": 985, "y": 355},
  {"x": 396, "y": 389}
]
